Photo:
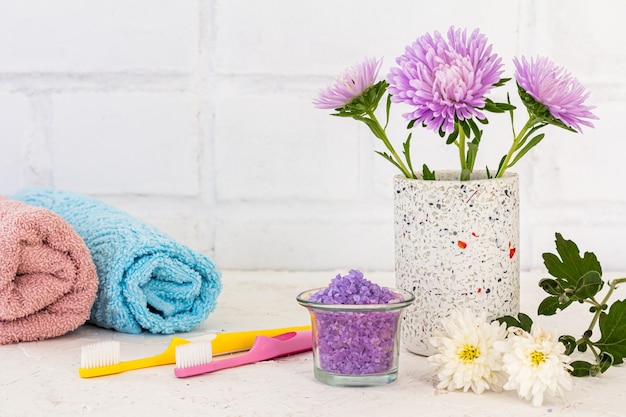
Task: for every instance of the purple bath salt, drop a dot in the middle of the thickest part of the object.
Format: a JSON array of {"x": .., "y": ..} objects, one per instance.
[
  {"x": 353, "y": 342},
  {"x": 354, "y": 288}
]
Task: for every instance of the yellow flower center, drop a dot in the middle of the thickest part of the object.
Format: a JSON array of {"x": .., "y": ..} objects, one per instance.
[
  {"x": 537, "y": 358},
  {"x": 467, "y": 353}
]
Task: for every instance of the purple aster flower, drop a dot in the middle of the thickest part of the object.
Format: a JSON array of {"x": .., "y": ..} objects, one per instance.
[
  {"x": 349, "y": 85},
  {"x": 445, "y": 78},
  {"x": 555, "y": 88}
]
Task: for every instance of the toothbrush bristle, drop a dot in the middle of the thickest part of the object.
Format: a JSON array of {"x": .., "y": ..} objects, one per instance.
[
  {"x": 194, "y": 354},
  {"x": 100, "y": 354}
]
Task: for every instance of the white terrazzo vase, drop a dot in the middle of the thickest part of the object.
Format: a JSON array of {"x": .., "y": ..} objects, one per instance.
[{"x": 456, "y": 245}]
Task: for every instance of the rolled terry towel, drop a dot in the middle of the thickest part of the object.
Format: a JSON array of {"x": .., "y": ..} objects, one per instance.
[
  {"x": 147, "y": 280},
  {"x": 48, "y": 282}
]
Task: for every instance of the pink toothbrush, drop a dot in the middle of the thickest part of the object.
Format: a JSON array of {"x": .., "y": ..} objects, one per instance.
[{"x": 196, "y": 358}]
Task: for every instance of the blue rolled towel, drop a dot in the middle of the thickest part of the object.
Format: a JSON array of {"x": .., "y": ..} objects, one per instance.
[{"x": 147, "y": 280}]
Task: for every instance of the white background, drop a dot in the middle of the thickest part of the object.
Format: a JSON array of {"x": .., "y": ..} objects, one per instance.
[{"x": 196, "y": 116}]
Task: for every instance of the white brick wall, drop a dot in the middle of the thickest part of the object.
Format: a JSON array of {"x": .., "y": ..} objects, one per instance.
[{"x": 196, "y": 115}]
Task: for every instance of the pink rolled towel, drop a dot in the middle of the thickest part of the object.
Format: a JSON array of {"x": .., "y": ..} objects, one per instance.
[{"x": 48, "y": 281}]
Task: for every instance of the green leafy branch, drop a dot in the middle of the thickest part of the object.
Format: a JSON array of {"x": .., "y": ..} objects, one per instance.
[
  {"x": 538, "y": 116},
  {"x": 578, "y": 278},
  {"x": 363, "y": 108},
  {"x": 466, "y": 135}
]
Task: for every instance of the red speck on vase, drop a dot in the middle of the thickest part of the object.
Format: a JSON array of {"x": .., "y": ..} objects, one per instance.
[
  {"x": 479, "y": 290},
  {"x": 511, "y": 251},
  {"x": 474, "y": 234},
  {"x": 461, "y": 244}
]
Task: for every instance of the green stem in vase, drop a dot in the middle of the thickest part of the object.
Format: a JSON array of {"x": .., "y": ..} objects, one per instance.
[
  {"x": 521, "y": 145},
  {"x": 380, "y": 132},
  {"x": 465, "y": 173}
]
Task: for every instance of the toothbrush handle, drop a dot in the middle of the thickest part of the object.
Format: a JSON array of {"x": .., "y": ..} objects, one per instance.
[
  {"x": 264, "y": 348},
  {"x": 239, "y": 341}
]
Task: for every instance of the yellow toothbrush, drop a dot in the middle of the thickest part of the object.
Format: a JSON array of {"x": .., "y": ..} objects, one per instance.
[{"x": 103, "y": 358}]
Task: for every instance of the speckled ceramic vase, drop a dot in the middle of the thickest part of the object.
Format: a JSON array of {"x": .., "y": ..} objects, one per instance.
[{"x": 456, "y": 245}]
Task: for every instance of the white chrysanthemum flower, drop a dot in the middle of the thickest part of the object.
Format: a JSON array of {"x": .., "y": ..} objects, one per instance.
[
  {"x": 535, "y": 362},
  {"x": 466, "y": 358}
]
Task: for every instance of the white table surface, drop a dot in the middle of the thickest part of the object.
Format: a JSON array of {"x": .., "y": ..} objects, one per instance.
[{"x": 41, "y": 378}]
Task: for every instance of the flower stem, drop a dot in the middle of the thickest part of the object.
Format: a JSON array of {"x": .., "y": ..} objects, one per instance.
[
  {"x": 465, "y": 174},
  {"x": 515, "y": 145},
  {"x": 383, "y": 136},
  {"x": 612, "y": 286}
]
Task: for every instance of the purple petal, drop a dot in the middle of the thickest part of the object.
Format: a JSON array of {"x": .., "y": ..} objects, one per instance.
[
  {"x": 555, "y": 88},
  {"x": 444, "y": 78},
  {"x": 349, "y": 85}
]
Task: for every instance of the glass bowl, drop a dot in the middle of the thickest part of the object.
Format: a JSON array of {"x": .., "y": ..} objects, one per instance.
[{"x": 356, "y": 344}]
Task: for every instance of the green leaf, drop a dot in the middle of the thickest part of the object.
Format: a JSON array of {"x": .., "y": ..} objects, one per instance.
[
  {"x": 528, "y": 134},
  {"x": 364, "y": 103},
  {"x": 375, "y": 93},
  {"x": 348, "y": 113},
  {"x": 494, "y": 107},
  {"x": 525, "y": 321},
  {"x": 510, "y": 321},
  {"x": 505, "y": 106},
  {"x": 427, "y": 174},
  {"x": 374, "y": 126},
  {"x": 569, "y": 342},
  {"x": 606, "y": 361},
  {"x": 588, "y": 285},
  {"x": 387, "y": 108},
  {"x": 570, "y": 267},
  {"x": 613, "y": 331},
  {"x": 500, "y": 164},
  {"x": 452, "y": 137},
  {"x": 389, "y": 158},
  {"x": 581, "y": 368},
  {"x": 477, "y": 132},
  {"x": 406, "y": 146},
  {"x": 472, "y": 150},
  {"x": 501, "y": 82},
  {"x": 551, "y": 286},
  {"x": 491, "y": 107},
  {"x": 441, "y": 132},
  {"x": 511, "y": 114},
  {"x": 533, "y": 142},
  {"x": 522, "y": 321},
  {"x": 549, "y": 305}
]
